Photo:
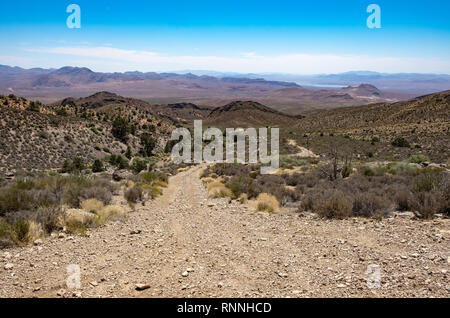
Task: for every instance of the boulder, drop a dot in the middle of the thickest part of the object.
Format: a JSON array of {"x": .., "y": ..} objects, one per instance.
[{"x": 120, "y": 175}]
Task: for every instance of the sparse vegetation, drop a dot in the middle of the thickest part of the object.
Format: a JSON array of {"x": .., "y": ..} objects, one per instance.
[
  {"x": 267, "y": 203},
  {"x": 374, "y": 191},
  {"x": 401, "y": 142}
]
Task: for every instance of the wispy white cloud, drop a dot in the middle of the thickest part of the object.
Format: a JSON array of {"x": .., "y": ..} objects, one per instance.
[{"x": 245, "y": 62}]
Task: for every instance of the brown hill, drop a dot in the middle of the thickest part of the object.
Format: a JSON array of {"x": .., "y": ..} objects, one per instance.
[
  {"x": 34, "y": 136},
  {"x": 247, "y": 114},
  {"x": 424, "y": 122}
]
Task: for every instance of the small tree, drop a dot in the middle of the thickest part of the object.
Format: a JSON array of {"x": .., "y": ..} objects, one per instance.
[
  {"x": 78, "y": 164},
  {"x": 97, "y": 166},
  {"x": 33, "y": 107},
  {"x": 401, "y": 142},
  {"x": 148, "y": 144},
  {"x": 120, "y": 129},
  {"x": 66, "y": 168},
  {"x": 128, "y": 153}
]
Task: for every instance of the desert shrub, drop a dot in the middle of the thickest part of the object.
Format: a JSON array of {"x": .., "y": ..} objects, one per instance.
[
  {"x": 78, "y": 164},
  {"x": 401, "y": 142},
  {"x": 289, "y": 162},
  {"x": 120, "y": 129},
  {"x": 218, "y": 190},
  {"x": 61, "y": 112},
  {"x": 97, "y": 166},
  {"x": 419, "y": 158},
  {"x": 346, "y": 171},
  {"x": 169, "y": 146},
  {"x": 13, "y": 199},
  {"x": 267, "y": 203},
  {"x": 111, "y": 212},
  {"x": 6, "y": 234},
  {"x": 138, "y": 165},
  {"x": 21, "y": 231},
  {"x": 334, "y": 204},
  {"x": 369, "y": 204},
  {"x": 157, "y": 178},
  {"x": 239, "y": 185},
  {"x": 119, "y": 162},
  {"x": 48, "y": 217},
  {"x": 75, "y": 166},
  {"x": 134, "y": 194},
  {"x": 243, "y": 198},
  {"x": 224, "y": 169},
  {"x": 403, "y": 199},
  {"x": 444, "y": 196},
  {"x": 400, "y": 168},
  {"x": 148, "y": 144},
  {"x": 308, "y": 201},
  {"x": 426, "y": 204},
  {"x": 33, "y": 107},
  {"x": 207, "y": 180},
  {"x": 427, "y": 181},
  {"x": 92, "y": 205}
]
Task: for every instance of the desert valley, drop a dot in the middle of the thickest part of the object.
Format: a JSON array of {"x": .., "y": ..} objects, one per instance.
[{"x": 86, "y": 178}]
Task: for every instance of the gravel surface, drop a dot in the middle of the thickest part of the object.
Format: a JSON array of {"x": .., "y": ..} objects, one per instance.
[{"x": 185, "y": 244}]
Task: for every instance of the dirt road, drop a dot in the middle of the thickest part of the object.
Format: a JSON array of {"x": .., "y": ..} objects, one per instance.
[{"x": 185, "y": 244}]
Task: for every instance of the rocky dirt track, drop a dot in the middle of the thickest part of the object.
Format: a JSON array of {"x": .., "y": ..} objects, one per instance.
[{"x": 184, "y": 244}]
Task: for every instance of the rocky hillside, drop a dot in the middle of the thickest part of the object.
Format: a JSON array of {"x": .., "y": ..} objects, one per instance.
[
  {"x": 35, "y": 136},
  {"x": 424, "y": 122},
  {"x": 247, "y": 114}
]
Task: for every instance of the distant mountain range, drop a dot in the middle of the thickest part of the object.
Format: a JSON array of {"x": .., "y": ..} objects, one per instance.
[
  {"x": 410, "y": 83},
  {"x": 285, "y": 94}
]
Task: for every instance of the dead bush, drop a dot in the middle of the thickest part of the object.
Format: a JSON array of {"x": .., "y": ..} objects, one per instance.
[
  {"x": 369, "y": 204},
  {"x": 334, "y": 204},
  {"x": 134, "y": 194}
]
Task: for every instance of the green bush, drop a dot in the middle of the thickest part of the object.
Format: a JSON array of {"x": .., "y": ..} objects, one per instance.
[
  {"x": 401, "y": 142},
  {"x": 97, "y": 166},
  {"x": 418, "y": 158},
  {"x": 120, "y": 129},
  {"x": 148, "y": 144},
  {"x": 138, "y": 165},
  {"x": 21, "y": 230}
]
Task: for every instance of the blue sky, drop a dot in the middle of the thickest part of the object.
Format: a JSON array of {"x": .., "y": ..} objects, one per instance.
[{"x": 304, "y": 37}]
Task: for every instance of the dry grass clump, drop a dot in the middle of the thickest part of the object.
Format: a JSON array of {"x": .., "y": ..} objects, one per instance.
[
  {"x": 92, "y": 205},
  {"x": 110, "y": 212},
  {"x": 78, "y": 221},
  {"x": 183, "y": 169},
  {"x": 207, "y": 180},
  {"x": 267, "y": 203},
  {"x": 217, "y": 189},
  {"x": 243, "y": 198}
]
